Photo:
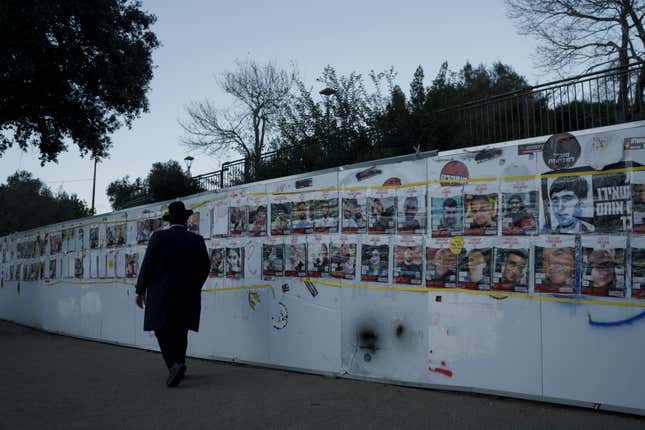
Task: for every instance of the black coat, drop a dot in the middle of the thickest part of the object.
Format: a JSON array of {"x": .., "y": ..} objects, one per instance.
[{"x": 175, "y": 267}]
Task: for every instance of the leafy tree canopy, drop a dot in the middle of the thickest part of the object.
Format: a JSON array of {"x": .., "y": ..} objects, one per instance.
[
  {"x": 25, "y": 202},
  {"x": 165, "y": 181},
  {"x": 72, "y": 70}
]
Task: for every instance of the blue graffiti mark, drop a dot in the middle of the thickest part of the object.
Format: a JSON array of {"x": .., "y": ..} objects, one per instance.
[{"x": 618, "y": 323}]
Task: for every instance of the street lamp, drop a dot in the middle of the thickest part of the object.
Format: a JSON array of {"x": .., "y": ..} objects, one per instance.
[
  {"x": 327, "y": 92},
  {"x": 189, "y": 162}
]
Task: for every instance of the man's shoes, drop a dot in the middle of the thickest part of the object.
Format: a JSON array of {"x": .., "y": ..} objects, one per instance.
[{"x": 176, "y": 374}]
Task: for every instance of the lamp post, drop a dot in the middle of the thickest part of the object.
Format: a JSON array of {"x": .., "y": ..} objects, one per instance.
[
  {"x": 189, "y": 162},
  {"x": 327, "y": 92},
  {"x": 94, "y": 184}
]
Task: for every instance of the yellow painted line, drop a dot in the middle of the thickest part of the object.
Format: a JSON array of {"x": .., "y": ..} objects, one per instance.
[
  {"x": 243, "y": 287},
  {"x": 546, "y": 298},
  {"x": 115, "y": 281}
]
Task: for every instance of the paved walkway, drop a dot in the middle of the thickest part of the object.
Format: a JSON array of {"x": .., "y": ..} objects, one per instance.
[{"x": 57, "y": 382}]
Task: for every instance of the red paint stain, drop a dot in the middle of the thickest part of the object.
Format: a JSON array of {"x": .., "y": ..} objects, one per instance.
[{"x": 446, "y": 372}]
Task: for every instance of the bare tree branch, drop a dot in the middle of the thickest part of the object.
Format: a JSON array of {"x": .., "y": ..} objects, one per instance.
[{"x": 261, "y": 93}]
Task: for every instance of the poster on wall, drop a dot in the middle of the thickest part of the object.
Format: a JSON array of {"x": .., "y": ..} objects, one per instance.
[
  {"x": 354, "y": 211},
  {"x": 638, "y": 201},
  {"x": 638, "y": 266},
  {"x": 219, "y": 216},
  {"x": 237, "y": 215},
  {"x": 603, "y": 265},
  {"x": 115, "y": 235},
  {"x": 343, "y": 257},
  {"x": 520, "y": 207},
  {"x": 295, "y": 257},
  {"x": 446, "y": 210},
  {"x": 408, "y": 260},
  {"x": 511, "y": 264},
  {"x": 480, "y": 209},
  {"x": 94, "y": 264},
  {"x": 325, "y": 211},
  {"x": 55, "y": 243},
  {"x": 52, "y": 269},
  {"x": 234, "y": 259},
  {"x": 218, "y": 261},
  {"x": 411, "y": 217},
  {"x": 194, "y": 221},
  {"x": 94, "y": 237},
  {"x": 258, "y": 215},
  {"x": 301, "y": 214},
  {"x": 554, "y": 264},
  {"x": 475, "y": 262},
  {"x": 441, "y": 264},
  {"x": 382, "y": 209},
  {"x": 318, "y": 261},
  {"x": 585, "y": 188},
  {"x": 375, "y": 259},
  {"x": 131, "y": 264},
  {"x": 568, "y": 204},
  {"x": 280, "y": 215},
  {"x": 272, "y": 258},
  {"x": 612, "y": 200}
]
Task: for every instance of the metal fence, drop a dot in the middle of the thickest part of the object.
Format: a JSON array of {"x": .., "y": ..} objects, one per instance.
[{"x": 596, "y": 99}]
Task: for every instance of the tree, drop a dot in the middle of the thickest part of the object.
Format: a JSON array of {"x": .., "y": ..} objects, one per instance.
[
  {"x": 589, "y": 33},
  {"x": 165, "y": 181},
  {"x": 445, "y": 99},
  {"x": 123, "y": 191},
  {"x": 75, "y": 69},
  {"x": 25, "y": 203},
  {"x": 260, "y": 93}
]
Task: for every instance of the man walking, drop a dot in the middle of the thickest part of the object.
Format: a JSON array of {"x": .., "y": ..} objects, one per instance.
[{"x": 174, "y": 268}]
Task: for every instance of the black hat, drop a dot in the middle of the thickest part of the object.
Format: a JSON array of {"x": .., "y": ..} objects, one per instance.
[{"x": 177, "y": 212}]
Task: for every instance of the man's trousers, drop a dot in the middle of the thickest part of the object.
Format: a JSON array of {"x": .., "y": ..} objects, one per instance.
[{"x": 173, "y": 341}]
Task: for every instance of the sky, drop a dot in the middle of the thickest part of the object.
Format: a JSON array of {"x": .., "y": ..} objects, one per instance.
[{"x": 201, "y": 39}]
